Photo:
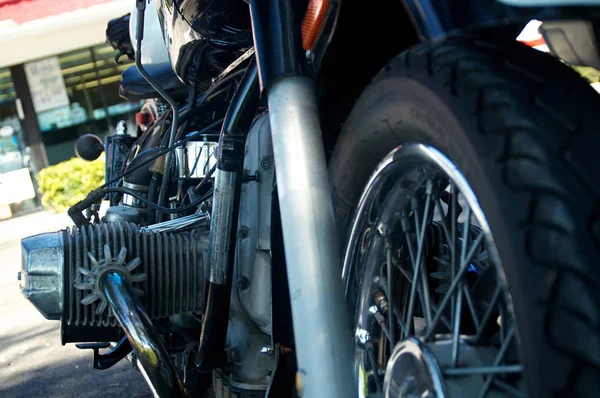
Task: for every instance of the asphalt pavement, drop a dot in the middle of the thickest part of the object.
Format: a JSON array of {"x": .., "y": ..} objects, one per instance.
[{"x": 33, "y": 363}]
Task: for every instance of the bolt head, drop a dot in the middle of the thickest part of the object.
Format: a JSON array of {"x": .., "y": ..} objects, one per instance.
[
  {"x": 243, "y": 233},
  {"x": 243, "y": 283},
  {"x": 265, "y": 164}
]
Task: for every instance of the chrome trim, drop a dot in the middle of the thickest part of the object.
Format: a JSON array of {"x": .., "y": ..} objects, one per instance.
[
  {"x": 389, "y": 167},
  {"x": 423, "y": 361},
  {"x": 192, "y": 221},
  {"x": 235, "y": 64},
  {"x": 150, "y": 350},
  {"x": 136, "y": 187},
  {"x": 196, "y": 158}
]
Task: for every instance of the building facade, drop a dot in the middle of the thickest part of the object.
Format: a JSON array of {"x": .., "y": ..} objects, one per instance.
[{"x": 58, "y": 81}]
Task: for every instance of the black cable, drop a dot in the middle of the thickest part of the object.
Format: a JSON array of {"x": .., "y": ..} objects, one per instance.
[
  {"x": 161, "y": 209},
  {"x": 218, "y": 92},
  {"x": 152, "y": 191},
  {"x": 217, "y": 84},
  {"x": 204, "y": 181},
  {"x": 192, "y": 96},
  {"x": 162, "y": 152},
  {"x": 174, "y": 135},
  {"x": 95, "y": 196}
]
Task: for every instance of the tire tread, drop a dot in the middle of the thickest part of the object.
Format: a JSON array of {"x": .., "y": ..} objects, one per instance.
[{"x": 495, "y": 79}]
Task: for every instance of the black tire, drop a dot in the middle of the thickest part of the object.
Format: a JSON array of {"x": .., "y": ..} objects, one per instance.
[{"x": 523, "y": 129}]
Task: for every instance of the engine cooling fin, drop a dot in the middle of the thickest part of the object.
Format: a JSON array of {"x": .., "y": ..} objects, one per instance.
[
  {"x": 174, "y": 283},
  {"x": 57, "y": 269}
]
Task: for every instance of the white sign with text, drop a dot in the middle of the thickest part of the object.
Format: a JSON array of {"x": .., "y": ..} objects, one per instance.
[{"x": 46, "y": 84}]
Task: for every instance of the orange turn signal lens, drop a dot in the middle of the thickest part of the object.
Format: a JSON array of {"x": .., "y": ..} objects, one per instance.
[{"x": 313, "y": 22}]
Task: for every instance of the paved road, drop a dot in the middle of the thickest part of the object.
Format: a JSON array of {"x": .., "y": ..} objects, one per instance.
[{"x": 32, "y": 361}]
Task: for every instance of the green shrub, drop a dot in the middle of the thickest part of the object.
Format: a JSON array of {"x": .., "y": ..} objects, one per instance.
[{"x": 66, "y": 183}]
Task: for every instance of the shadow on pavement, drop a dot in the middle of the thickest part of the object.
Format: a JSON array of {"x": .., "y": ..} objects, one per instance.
[
  {"x": 68, "y": 379},
  {"x": 15, "y": 338}
]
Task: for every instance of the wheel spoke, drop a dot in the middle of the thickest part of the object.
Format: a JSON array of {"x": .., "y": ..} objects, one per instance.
[
  {"x": 497, "y": 360},
  {"x": 454, "y": 284},
  {"x": 456, "y": 326},
  {"x": 390, "y": 293},
  {"x": 400, "y": 323},
  {"x": 459, "y": 292},
  {"x": 488, "y": 313},
  {"x": 420, "y": 251},
  {"x": 421, "y": 232},
  {"x": 405, "y": 273},
  {"x": 406, "y": 230},
  {"x": 443, "y": 318},
  {"x": 440, "y": 207},
  {"x": 453, "y": 217},
  {"x": 434, "y": 309},
  {"x": 465, "y": 236},
  {"x": 471, "y": 305}
]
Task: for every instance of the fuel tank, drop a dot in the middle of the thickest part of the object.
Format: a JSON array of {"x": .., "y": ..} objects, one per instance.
[{"x": 223, "y": 25}]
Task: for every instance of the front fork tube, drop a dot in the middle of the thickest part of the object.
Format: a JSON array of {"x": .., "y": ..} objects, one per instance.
[{"x": 321, "y": 323}]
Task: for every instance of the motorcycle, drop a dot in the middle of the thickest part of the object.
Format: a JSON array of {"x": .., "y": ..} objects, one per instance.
[{"x": 452, "y": 163}]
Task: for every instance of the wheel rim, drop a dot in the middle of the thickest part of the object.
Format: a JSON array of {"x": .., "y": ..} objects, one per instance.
[{"x": 420, "y": 234}]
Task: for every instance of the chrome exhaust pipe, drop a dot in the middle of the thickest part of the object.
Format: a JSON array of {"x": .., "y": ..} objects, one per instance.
[{"x": 157, "y": 367}]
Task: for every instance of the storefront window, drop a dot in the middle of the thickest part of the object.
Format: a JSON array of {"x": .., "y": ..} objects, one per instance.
[
  {"x": 17, "y": 192},
  {"x": 91, "y": 79}
]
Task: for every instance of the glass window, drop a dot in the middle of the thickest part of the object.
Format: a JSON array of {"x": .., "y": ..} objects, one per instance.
[
  {"x": 17, "y": 192},
  {"x": 7, "y": 90},
  {"x": 92, "y": 81}
]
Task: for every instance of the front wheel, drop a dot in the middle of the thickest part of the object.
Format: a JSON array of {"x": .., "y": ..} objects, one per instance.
[{"x": 465, "y": 184}]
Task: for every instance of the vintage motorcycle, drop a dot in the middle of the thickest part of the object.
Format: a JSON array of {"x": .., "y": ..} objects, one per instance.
[{"x": 402, "y": 181}]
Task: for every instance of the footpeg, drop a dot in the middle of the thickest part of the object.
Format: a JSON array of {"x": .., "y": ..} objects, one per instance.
[{"x": 107, "y": 360}]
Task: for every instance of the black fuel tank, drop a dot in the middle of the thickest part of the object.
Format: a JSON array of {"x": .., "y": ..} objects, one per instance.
[
  {"x": 225, "y": 22},
  {"x": 221, "y": 24}
]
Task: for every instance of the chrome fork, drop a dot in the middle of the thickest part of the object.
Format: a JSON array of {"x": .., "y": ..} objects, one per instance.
[{"x": 321, "y": 322}]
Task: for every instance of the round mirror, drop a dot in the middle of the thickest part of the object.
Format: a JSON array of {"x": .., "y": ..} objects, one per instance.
[{"x": 89, "y": 147}]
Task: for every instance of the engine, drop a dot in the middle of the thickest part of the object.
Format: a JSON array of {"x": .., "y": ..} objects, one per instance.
[
  {"x": 61, "y": 271},
  {"x": 165, "y": 263}
]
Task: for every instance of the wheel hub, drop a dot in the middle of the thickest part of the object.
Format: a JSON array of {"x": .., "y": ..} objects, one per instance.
[
  {"x": 412, "y": 371},
  {"x": 418, "y": 370}
]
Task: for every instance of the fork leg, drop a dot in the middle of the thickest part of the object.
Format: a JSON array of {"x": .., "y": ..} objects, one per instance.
[{"x": 321, "y": 323}]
